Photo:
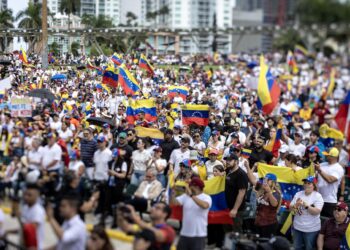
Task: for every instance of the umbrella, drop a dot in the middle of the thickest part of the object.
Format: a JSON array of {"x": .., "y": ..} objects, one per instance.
[
  {"x": 99, "y": 121},
  {"x": 42, "y": 93},
  {"x": 59, "y": 77}
]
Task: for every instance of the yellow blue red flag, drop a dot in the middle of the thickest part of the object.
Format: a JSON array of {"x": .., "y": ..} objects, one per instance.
[
  {"x": 145, "y": 64},
  {"x": 127, "y": 81}
]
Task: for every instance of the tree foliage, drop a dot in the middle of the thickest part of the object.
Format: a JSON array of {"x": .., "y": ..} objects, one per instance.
[{"x": 6, "y": 22}]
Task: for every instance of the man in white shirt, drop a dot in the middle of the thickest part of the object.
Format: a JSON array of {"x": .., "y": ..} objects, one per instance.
[
  {"x": 35, "y": 155},
  {"x": 52, "y": 154},
  {"x": 295, "y": 147},
  {"x": 196, "y": 207},
  {"x": 72, "y": 234},
  {"x": 180, "y": 154},
  {"x": 101, "y": 158},
  {"x": 330, "y": 174}
]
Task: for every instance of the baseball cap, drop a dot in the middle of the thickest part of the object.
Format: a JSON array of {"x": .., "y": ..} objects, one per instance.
[
  {"x": 298, "y": 134},
  {"x": 234, "y": 135},
  {"x": 333, "y": 152},
  {"x": 185, "y": 139},
  {"x": 310, "y": 179},
  {"x": 186, "y": 163},
  {"x": 177, "y": 127},
  {"x": 213, "y": 152},
  {"x": 284, "y": 148},
  {"x": 169, "y": 131},
  {"x": 101, "y": 139},
  {"x": 115, "y": 152},
  {"x": 106, "y": 125},
  {"x": 271, "y": 177},
  {"x": 306, "y": 125},
  {"x": 231, "y": 157},
  {"x": 195, "y": 181},
  {"x": 215, "y": 132},
  {"x": 342, "y": 205},
  {"x": 122, "y": 135},
  {"x": 314, "y": 149},
  {"x": 50, "y": 135}
]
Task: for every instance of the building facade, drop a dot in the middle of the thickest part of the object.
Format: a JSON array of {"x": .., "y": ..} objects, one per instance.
[{"x": 3, "y": 4}]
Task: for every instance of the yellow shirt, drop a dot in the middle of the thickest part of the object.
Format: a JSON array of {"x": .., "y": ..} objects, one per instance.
[{"x": 305, "y": 114}]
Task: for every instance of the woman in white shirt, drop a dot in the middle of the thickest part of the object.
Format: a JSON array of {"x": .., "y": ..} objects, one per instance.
[
  {"x": 291, "y": 162},
  {"x": 76, "y": 164},
  {"x": 198, "y": 144},
  {"x": 140, "y": 158},
  {"x": 158, "y": 163},
  {"x": 306, "y": 207}
]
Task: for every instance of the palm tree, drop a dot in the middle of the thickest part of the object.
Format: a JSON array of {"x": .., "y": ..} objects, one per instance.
[
  {"x": 75, "y": 48},
  {"x": 54, "y": 48},
  {"x": 30, "y": 18},
  {"x": 6, "y": 21},
  {"x": 69, "y": 7}
]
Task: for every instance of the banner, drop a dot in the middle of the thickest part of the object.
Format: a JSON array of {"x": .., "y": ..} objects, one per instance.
[{"x": 21, "y": 107}]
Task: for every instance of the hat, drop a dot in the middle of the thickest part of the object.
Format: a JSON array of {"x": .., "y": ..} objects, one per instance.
[
  {"x": 271, "y": 177},
  {"x": 169, "y": 131},
  {"x": 333, "y": 152},
  {"x": 343, "y": 205},
  {"x": 115, "y": 152},
  {"x": 177, "y": 127},
  {"x": 50, "y": 135},
  {"x": 122, "y": 135},
  {"x": 234, "y": 135},
  {"x": 186, "y": 163},
  {"x": 215, "y": 132},
  {"x": 101, "y": 139},
  {"x": 106, "y": 125},
  {"x": 213, "y": 151},
  {"x": 194, "y": 155},
  {"x": 310, "y": 179},
  {"x": 195, "y": 181},
  {"x": 158, "y": 149},
  {"x": 314, "y": 149},
  {"x": 284, "y": 148},
  {"x": 231, "y": 157},
  {"x": 306, "y": 125}
]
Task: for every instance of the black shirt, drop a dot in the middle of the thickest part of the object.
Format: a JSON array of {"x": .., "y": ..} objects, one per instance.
[
  {"x": 262, "y": 156},
  {"x": 168, "y": 147},
  {"x": 234, "y": 182}
]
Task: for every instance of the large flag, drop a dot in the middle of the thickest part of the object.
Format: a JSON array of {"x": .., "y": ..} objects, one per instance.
[
  {"x": 110, "y": 77},
  {"x": 345, "y": 243},
  {"x": 293, "y": 67},
  {"x": 182, "y": 90},
  {"x": 146, "y": 105},
  {"x": 23, "y": 56},
  {"x": 145, "y": 64},
  {"x": 329, "y": 135},
  {"x": 215, "y": 187},
  {"x": 343, "y": 117},
  {"x": 128, "y": 81},
  {"x": 268, "y": 89},
  {"x": 274, "y": 143},
  {"x": 195, "y": 114},
  {"x": 117, "y": 59},
  {"x": 155, "y": 134},
  {"x": 298, "y": 49}
]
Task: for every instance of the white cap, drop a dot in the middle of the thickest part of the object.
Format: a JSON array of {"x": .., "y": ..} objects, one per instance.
[
  {"x": 306, "y": 125},
  {"x": 284, "y": 148}
]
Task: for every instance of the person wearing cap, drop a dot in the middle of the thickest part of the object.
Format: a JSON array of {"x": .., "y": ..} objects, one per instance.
[
  {"x": 106, "y": 132},
  {"x": 329, "y": 175},
  {"x": 314, "y": 141},
  {"x": 333, "y": 230},
  {"x": 88, "y": 147},
  {"x": 215, "y": 142},
  {"x": 213, "y": 161},
  {"x": 237, "y": 129},
  {"x": 306, "y": 207},
  {"x": 196, "y": 206},
  {"x": 283, "y": 152},
  {"x": 177, "y": 132},
  {"x": 236, "y": 186},
  {"x": 198, "y": 167},
  {"x": 169, "y": 144},
  {"x": 52, "y": 154},
  {"x": 178, "y": 155},
  {"x": 158, "y": 163},
  {"x": 295, "y": 146},
  {"x": 268, "y": 199},
  {"x": 311, "y": 157},
  {"x": 75, "y": 164}
]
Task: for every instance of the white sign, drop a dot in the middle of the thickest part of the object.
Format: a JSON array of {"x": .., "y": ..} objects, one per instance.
[
  {"x": 5, "y": 84},
  {"x": 21, "y": 107}
]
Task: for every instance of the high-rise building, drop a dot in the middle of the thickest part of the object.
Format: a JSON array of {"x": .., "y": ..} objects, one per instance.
[
  {"x": 86, "y": 7},
  {"x": 248, "y": 5},
  {"x": 3, "y": 4}
]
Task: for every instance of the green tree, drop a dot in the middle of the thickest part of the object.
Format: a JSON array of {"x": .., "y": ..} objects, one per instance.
[
  {"x": 30, "y": 18},
  {"x": 287, "y": 40},
  {"x": 69, "y": 7},
  {"x": 54, "y": 48},
  {"x": 6, "y": 21},
  {"x": 130, "y": 18},
  {"x": 75, "y": 48}
]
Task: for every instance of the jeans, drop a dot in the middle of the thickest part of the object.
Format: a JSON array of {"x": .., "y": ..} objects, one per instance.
[
  {"x": 303, "y": 240},
  {"x": 161, "y": 179},
  {"x": 137, "y": 177}
]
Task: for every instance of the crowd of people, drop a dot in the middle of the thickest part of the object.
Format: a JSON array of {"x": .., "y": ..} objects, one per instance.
[{"x": 58, "y": 165}]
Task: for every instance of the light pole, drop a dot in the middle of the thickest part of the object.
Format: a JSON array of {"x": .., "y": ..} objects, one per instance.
[{"x": 44, "y": 55}]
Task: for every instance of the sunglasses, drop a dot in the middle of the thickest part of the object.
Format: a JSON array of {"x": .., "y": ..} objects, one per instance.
[
  {"x": 196, "y": 135},
  {"x": 339, "y": 209},
  {"x": 129, "y": 134}
]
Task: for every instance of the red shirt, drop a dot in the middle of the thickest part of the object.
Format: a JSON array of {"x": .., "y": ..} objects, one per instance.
[
  {"x": 333, "y": 233},
  {"x": 170, "y": 235}
]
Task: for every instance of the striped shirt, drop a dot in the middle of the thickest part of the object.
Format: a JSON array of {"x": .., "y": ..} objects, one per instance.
[{"x": 87, "y": 150}]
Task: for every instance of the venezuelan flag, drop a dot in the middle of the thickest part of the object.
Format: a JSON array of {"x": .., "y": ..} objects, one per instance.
[
  {"x": 293, "y": 67},
  {"x": 146, "y": 105},
  {"x": 117, "y": 59},
  {"x": 342, "y": 117},
  {"x": 2, "y": 94},
  {"x": 331, "y": 84},
  {"x": 90, "y": 66},
  {"x": 268, "y": 89},
  {"x": 182, "y": 90},
  {"x": 329, "y": 135},
  {"x": 345, "y": 243},
  {"x": 246, "y": 152},
  {"x": 195, "y": 114},
  {"x": 144, "y": 64},
  {"x": 301, "y": 50},
  {"x": 127, "y": 81},
  {"x": 155, "y": 134},
  {"x": 110, "y": 77},
  {"x": 23, "y": 56},
  {"x": 103, "y": 87},
  {"x": 275, "y": 143}
]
